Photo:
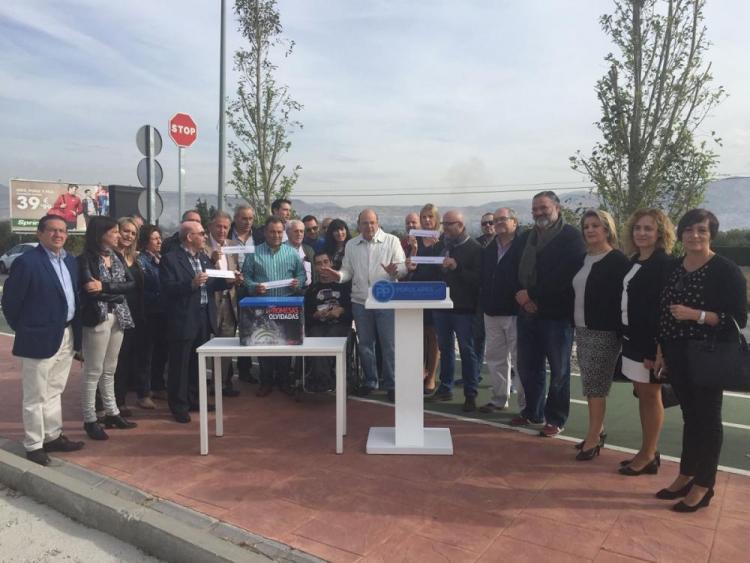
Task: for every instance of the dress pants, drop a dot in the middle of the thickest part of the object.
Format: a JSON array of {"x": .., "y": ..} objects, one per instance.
[
  {"x": 154, "y": 354},
  {"x": 226, "y": 325},
  {"x": 451, "y": 326},
  {"x": 702, "y": 431},
  {"x": 182, "y": 378},
  {"x": 375, "y": 325},
  {"x": 43, "y": 382},
  {"x": 501, "y": 359},
  {"x": 127, "y": 372},
  {"x": 101, "y": 348}
]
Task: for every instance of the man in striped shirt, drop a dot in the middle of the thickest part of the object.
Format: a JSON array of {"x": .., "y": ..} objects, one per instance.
[{"x": 273, "y": 261}]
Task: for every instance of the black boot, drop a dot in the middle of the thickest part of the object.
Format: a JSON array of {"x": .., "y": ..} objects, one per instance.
[
  {"x": 95, "y": 431},
  {"x": 117, "y": 421}
]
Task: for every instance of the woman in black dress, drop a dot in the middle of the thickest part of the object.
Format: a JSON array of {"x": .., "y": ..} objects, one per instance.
[{"x": 703, "y": 298}]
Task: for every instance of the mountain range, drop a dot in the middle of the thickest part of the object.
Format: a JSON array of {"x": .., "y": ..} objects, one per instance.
[{"x": 728, "y": 198}]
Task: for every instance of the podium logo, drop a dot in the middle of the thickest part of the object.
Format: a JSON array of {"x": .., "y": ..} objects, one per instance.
[{"x": 383, "y": 291}]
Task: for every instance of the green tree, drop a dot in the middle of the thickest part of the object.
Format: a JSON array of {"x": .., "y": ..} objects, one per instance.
[
  {"x": 656, "y": 94},
  {"x": 205, "y": 210},
  {"x": 261, "y": 114}
]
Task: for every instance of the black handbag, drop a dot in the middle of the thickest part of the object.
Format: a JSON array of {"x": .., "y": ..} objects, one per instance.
[{"x": 720, "y": 364}]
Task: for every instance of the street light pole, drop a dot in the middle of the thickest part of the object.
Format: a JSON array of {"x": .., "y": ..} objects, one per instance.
[{"x": 222, "y": 110}]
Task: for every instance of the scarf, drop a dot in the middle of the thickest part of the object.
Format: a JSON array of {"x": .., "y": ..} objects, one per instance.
[
  {"x": 115, "y": 273},
  {"x": 534, "y": 245},
  {"x": 451, "y": 243}
]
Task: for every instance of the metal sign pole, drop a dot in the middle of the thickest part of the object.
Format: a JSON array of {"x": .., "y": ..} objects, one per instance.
[
  {"x": 222, "y": 111},
  {"x": 179, "y": 183},
  {"x": 150, "y": 187}
]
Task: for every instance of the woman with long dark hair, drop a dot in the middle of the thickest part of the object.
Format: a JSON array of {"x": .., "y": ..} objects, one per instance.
[
  {"x": 105, "y": 315},
  {"x": 153, "y": 338},
  {"x": 337, "y": 235}
]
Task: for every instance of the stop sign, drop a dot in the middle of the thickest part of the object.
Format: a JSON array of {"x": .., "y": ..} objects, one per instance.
[{"x": 183, "y": 130}]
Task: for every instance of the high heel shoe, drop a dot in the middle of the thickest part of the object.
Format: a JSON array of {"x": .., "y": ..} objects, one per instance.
[
  {"x": 651, "y": 468},
  {"x": 95, "y": 431},
  {"x": 602, "y": 438},
  {"x": 625, "y": 462},
  {"x": 705, "y": 501},
  {"x": 666, "y": 494},
  {"x": 117, "y": 421},
  {"x": 588, "y": 455}
]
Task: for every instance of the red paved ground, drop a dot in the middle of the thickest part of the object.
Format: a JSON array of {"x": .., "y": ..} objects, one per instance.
[{"x": 503, "y": 496}]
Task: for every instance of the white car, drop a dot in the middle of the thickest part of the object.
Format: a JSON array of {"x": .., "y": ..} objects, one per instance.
[{"x": 6, "y": 260}]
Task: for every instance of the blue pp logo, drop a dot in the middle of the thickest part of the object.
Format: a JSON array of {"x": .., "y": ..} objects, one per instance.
[{"x": 383, "y": 291}]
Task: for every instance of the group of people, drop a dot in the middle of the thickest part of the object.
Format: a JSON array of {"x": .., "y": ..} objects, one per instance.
[
  {"x": 70, "y": 205},
  {"x": 132, "y": 304}
]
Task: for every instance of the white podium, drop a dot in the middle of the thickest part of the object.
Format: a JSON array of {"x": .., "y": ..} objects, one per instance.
[{"x": 409, "y": 436}]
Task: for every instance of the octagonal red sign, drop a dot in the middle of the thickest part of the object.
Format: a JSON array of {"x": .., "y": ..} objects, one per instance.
[{"x": 183, "y": 130}]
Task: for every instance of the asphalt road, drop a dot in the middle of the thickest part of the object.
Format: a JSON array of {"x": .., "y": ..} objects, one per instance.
[{"x": 31, "y": 532}]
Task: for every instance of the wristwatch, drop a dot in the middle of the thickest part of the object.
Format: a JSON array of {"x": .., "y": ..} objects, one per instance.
[{"x": 702, "y": 318}]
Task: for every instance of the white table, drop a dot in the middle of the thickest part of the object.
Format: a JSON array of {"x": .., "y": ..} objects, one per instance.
[
  {"x": 409, "y": 436},
  {"x": 225, "y": 347}
]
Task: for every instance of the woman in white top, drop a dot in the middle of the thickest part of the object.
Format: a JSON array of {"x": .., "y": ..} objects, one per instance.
[{"x": 597, "y": 286}]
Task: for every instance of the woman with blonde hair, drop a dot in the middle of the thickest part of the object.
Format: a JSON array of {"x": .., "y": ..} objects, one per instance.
[
  {"x": 648, "y": 239},
  {"x": 429, "y": 219},
  {"x": 596, "y": 313}
]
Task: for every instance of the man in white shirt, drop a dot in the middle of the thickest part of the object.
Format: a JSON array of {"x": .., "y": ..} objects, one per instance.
[
  {"x": 295, "y": 232},
  {"x": 226, "y": 300},
  {"x": 372, "y": 256}
]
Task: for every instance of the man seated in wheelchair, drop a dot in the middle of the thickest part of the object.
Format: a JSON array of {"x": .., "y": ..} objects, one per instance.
[{"x": 328, "y": 312}]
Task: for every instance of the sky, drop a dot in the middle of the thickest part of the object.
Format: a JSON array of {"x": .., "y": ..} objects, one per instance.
[{"x": 404, "y": 101}]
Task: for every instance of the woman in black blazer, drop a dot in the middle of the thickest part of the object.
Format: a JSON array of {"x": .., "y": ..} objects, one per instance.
[
  {"x": 705, "y": 295},
  {"x": 105, "y": 314},
  {"x": 649, "y": 239},
  {"x": 596, "y": 314}
]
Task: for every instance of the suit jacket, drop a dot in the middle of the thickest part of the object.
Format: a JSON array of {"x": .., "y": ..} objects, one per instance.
[
  {"x": 35, "y": 306},
  {"x": 232, "y": 265},
  {"x": 182, "y": 301}
]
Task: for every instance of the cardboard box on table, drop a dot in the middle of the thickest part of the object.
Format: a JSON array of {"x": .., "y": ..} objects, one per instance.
[{"x": 272, "y": 321}]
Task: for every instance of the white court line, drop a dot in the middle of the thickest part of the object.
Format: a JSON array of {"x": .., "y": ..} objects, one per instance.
[
  {"x": 534, "y": 432},
  {"x": 726, "y": 393},
  {"x": 728, "y": 424}
]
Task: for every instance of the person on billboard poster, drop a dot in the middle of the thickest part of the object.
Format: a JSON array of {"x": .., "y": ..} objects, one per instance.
[
  {"x": 68, "y": 206},
  {"x": 89, "y": 206},
  {"x": 102, "y": 200}
]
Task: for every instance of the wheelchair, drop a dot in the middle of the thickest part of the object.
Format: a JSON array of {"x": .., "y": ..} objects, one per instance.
[{"x": 303, "y": 380}]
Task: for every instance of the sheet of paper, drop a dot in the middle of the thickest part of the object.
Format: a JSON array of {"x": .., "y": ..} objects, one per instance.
[
  {"x": 278, "y": 283},
  {"x": 424, "y": 233},
  {"x": 228, "y": 274},
  {"x": 238, "y": 249},
  {"x": 427, "y": 259}
]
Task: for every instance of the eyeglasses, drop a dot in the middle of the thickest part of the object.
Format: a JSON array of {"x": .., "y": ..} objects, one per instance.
[
  {"x": 487, "y": 223},
  {"x": 201, "y": 233}
]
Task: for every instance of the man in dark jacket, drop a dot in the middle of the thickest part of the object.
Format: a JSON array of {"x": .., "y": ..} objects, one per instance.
[
  {"x": 191, "y": 314},
  {"x": 40, "y": 303},
  {"x": 460, "y": 270},
  {"x": 497, "y": 298},
  {"x": 550, "y": 255}
]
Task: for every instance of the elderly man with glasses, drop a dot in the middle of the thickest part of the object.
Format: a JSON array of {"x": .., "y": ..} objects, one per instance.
[{"x": 191, "y": 314}]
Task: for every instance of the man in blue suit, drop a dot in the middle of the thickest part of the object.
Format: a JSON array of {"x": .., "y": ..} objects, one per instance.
[{"x": 40, "y": 303}]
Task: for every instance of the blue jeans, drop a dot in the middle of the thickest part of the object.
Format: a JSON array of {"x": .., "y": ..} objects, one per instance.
[
  {"x": 375, "y": 324},
  {"x": 450, "y": 326},
  {"x": 540, "y": 340}
]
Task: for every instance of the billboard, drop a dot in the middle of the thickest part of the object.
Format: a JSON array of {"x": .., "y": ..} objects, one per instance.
[{"x": 30, "y": 200}]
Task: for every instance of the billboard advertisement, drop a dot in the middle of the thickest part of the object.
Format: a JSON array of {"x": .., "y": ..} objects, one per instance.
[{"x": 30, "y": 200}]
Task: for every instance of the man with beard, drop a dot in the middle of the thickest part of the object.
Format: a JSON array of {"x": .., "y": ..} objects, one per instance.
[{"x": 550, "y": 256}]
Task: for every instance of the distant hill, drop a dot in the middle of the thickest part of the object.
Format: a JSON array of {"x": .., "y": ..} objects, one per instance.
[{"x": 729, "y": 198}]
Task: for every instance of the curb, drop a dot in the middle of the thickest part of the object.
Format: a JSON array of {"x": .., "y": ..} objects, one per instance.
[{"x": 159, "y": 527}]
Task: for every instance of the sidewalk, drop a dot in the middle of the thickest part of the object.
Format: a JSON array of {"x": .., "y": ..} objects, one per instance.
[{"x": 504, "y": 495}]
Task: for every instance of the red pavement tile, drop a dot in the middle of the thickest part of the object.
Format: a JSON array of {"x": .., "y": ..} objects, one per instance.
[
  {"x": 270, "y": 517},
  {"x": 654, "y": 539},
  {"x": 471, "y": 530},
  {"x": 609, "y": 557},
  {"x": 405, "y": 547},
  {"x": 324, "y": 551},
  {"x": 737, "y": 500},
  {"x": 515, "y": 551},
  {"x": 562, "y": 536},
  {"x": 732, "y": 543}
]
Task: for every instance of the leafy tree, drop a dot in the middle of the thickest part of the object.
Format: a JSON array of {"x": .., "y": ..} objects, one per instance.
[
  {"x": 261, "y": 114},
  {"x": 205, "y": 210},
  {"x": 654, "y": 97}
]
